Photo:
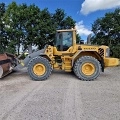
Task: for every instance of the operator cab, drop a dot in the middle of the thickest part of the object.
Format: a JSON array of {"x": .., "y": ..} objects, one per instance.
[{"x": 64, "y": 40}]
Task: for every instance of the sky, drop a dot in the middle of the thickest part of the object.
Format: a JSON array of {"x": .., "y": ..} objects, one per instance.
[{"x": 84, "y": 12}]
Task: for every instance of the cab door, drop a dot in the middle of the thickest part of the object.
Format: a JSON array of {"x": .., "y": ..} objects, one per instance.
[{"x": 64, "y": 40}]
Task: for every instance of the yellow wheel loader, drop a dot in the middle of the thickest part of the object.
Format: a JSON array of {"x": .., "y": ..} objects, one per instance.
[{"x": 86, "y": 61}]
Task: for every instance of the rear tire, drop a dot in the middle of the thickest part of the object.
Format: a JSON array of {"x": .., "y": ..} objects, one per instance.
[
  {"x": 39, "y": 68},
  {"x": 87, "y": 68}
]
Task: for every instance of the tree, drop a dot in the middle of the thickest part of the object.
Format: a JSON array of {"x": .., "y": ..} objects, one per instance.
[
  {"x": 3, "y": 41},
  {"x": 61, "y": 21},
  {"x": 107, "y": 30},
  {"x": 78, "y": 39},
  {"x": 46, "y": 29},
  {"x": 29, "y": 25},
  {"x": 13, "y": 27}
]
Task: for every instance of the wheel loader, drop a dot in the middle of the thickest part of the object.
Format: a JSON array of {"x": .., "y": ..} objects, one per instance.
[{"x": 86, "y": 61}]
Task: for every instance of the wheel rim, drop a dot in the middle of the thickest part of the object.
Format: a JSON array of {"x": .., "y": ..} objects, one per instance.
[
  {"x": 39, "y": 69},
  {"x": 88, "y": 69}
]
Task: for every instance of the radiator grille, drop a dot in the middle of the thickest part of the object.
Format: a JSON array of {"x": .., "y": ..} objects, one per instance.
[{"x": 101, "y": 52}]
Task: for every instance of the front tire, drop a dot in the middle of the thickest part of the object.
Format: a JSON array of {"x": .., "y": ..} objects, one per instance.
[
  {"x": 39, "y": 68},
  {"x": 87, "y": 68}
]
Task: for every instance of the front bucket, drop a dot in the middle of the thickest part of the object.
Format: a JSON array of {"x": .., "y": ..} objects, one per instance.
[
  {"x": 5, "y": 65},
  {"x": 4, "y": 73},
  {"x": 1, "y": 72}
]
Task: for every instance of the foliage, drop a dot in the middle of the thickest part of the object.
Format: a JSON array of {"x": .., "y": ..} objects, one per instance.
[
  {"x": 29, "y": 25},
  {"x": 3, "y": 41},
  {"x": 116, "y": 51},
  {"x": 61, "y": 21},
  {"x": 78, "y": 38},
  {"x": 107, "y": 31}
]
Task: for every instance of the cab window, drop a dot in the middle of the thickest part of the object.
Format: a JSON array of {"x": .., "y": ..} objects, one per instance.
[
  {"x": 67, "y": 40},
  {"x": 63, "y": 40}
]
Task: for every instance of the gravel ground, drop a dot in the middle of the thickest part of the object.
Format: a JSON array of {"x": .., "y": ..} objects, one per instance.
[{"x": 61, "y": 97}]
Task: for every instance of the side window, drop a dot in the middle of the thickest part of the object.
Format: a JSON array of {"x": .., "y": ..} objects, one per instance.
[{"x": 67, "y": 40}]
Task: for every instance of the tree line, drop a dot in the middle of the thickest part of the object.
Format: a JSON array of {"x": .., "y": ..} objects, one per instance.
[
  {"x": 107, "y": 31},
  {"x": 22, "y": 25}
]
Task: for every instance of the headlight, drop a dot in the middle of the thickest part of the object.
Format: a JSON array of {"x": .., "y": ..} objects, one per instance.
[{"x": 107, "y": 52}]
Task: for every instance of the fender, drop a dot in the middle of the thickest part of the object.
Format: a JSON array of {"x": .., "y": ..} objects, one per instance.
[
  {"x": 94, "y": 54},
  {"x": 25, "y": 62}
]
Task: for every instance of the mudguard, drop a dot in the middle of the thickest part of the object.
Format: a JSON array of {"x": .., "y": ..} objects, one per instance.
[{"x": 25, "y": 62}]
